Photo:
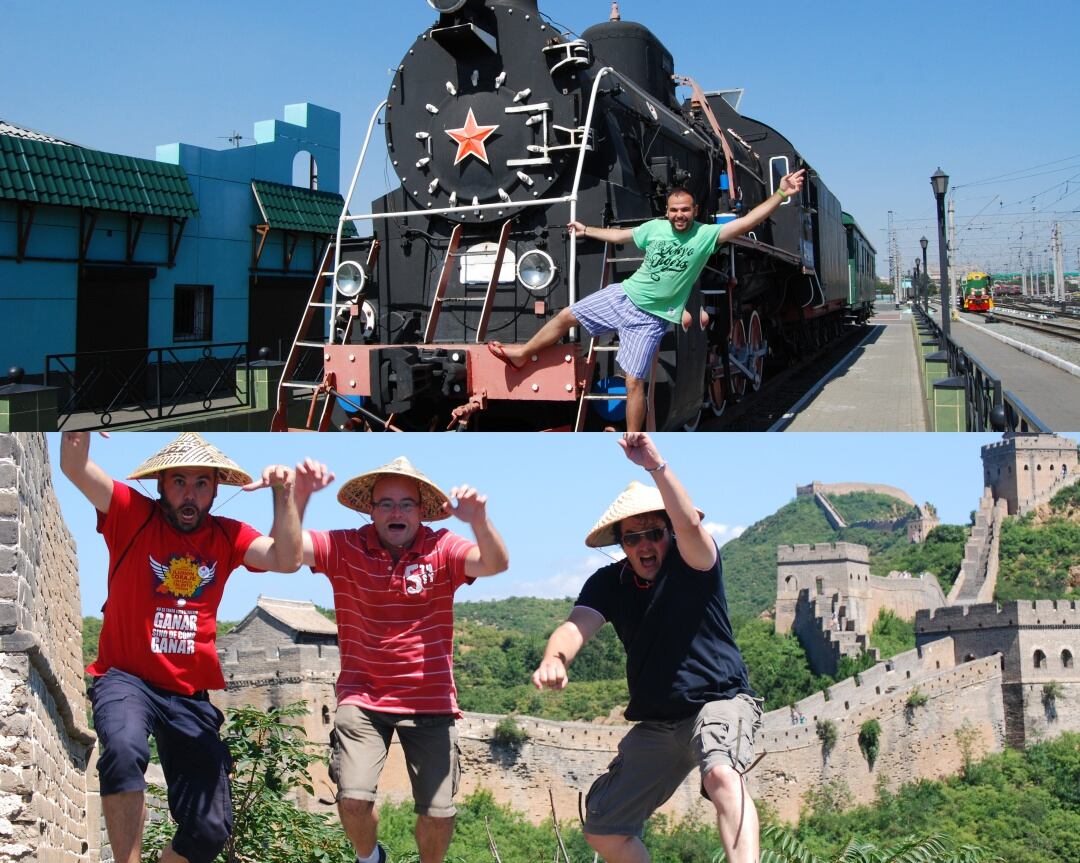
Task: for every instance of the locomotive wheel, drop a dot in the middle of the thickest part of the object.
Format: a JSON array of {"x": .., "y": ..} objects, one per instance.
[
  {"x": 715, "y": 385},
  {"x": 737, "y": 347},
  {"x": 755, "y": 340}
]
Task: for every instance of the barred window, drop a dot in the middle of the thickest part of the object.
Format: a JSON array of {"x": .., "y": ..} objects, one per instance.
[{"x": 193, "y": 313}]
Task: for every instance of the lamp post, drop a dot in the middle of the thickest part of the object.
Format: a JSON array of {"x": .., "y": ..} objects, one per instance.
[
  {"x": 915, "y": 282},
  {"x": 940, "y": 182},
  {"x": 925, "y": 274}
]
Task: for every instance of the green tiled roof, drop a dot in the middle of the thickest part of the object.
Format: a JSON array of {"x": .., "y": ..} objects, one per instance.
[
  {"x": 292, "y": 208},
  {"x": 42, "y": 172}
]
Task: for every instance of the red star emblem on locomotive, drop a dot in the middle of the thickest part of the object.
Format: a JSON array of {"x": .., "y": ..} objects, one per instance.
[{"x": 470, "y": 139}]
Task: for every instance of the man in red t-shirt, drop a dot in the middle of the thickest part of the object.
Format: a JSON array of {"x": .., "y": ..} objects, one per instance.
[
  {"x": 394, "y": 582},
  {"x": 168, "y": 563}
]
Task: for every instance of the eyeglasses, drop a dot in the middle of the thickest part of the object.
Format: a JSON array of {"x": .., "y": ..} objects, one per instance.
[
  {"x": 653, "y": 534},
  {"x": 405, "y": 507}
]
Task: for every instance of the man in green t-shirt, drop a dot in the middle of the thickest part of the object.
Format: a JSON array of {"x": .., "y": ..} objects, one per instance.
[{"x": 676, "y": 250}]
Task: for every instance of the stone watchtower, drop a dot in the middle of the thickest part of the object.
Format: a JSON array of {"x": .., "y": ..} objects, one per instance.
[{"x": 1026, "y": 470}]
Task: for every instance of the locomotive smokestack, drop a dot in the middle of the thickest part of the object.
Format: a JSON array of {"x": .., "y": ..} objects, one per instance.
[{"x": 615, "y": 16}]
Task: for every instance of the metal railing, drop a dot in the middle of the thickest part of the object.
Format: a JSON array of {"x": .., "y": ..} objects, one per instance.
[
  {"x": 988, "y": 405},
  {"x": 113, "y": 389}
]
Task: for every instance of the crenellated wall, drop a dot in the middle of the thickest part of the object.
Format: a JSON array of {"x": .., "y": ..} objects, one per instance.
[
  {"x": 1038, "y": 641},
  {"x": 45, "y": 811}
]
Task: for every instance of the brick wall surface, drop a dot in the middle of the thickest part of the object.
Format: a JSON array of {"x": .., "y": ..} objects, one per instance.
[{"x": 44, "y": 740}]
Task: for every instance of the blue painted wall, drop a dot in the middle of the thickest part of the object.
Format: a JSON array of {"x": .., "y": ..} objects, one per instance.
[{"x": 38, "y": 299}]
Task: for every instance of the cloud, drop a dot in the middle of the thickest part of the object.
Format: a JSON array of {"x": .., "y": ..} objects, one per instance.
[
  {"x": 723, "y": 533},
  {"x": 567, "y": 581}
]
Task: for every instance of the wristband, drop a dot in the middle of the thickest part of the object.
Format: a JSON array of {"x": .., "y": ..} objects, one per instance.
[
  {"x": 783, "y": 195},
  {"x": 660, "y": 466},
  {"x": 584, "y": 231}
]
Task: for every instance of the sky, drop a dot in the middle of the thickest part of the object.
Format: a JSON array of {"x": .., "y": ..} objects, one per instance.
[
  {"x": 875, "y": 95},
  {"x": 545, "y": 492}
]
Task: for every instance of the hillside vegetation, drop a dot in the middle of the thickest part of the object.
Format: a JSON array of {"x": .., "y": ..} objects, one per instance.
[
  {"x": 1040, "y": 553},
  {"x": 750, "y": 560}
]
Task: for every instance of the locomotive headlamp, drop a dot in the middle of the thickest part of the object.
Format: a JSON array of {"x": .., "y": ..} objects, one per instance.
[
  {"x": 446, "y": 6},
  {"x": 349, "y": 279},
  {"x": 536, "y": 270}
]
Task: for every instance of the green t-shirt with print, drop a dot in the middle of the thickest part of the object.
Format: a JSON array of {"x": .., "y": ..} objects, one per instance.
[{"x": 673, "y": 262}]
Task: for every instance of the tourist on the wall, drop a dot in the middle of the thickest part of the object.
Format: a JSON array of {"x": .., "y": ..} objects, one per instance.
[
  {"x": 689, "y": 692},
  {"x": 169, "y": 560},
  {"x": 394, "y": 582}
]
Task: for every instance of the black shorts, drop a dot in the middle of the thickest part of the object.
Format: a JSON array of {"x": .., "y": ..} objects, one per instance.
[{"x": 196, "y": 763}]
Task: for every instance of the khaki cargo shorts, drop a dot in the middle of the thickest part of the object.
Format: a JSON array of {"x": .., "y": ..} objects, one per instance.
[
  {"x": 361, "y": 739},
  {"x": 655, "y": 757}
]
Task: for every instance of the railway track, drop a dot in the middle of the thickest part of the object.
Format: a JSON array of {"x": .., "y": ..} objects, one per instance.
[
  {"x": 783, "y": 388},
  {"x": 1064, "y": 328}
]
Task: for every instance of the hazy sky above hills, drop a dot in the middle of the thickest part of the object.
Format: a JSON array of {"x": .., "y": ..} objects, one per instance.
[{"x": 546, "y": 491}]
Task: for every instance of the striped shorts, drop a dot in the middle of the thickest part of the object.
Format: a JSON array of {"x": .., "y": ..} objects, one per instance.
[{"x": 640, "y": 333}]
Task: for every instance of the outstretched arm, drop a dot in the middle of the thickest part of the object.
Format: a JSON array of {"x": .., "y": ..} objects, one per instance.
[
  {"x": 490, "y": 556},
  {"x": 563, "y": 646},
  {"x": 85, "y": 475},
  {"x": 281, "y": 550},
  {"x": 582, "y": 231},
  {"x": 790, "y": 185},
  {"x": 695, "y": 545}
]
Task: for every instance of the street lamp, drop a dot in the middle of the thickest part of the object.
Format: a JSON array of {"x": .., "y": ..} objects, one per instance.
[
  {"x": 915, "y": 282},
  {"x": 925, "y": 274},
  {"x": 940, "y": 182}
]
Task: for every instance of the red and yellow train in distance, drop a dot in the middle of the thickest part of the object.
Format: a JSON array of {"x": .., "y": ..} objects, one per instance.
[{"x": 977, "y": 293}]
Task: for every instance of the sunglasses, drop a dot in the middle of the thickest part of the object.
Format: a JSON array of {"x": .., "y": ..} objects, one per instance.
[
  {"x": 405, "y": 507},
  {"x": 653, "y": 534}
]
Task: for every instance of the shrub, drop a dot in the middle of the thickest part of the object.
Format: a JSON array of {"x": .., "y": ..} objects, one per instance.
[
  {"x": 509, "y": 734},
  {"x": 828, "y": 735},
  {"x": 917, "y": 698},
  {"x": 869, "y": 735}
]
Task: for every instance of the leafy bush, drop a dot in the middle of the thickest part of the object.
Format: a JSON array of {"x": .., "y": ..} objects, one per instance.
[
  {"x": 869, "y": 735},
  {"x": 828, "y": 735},
  {"x": 509, "y": 734},
  {"x": 271, "y": 757},
  {"x": 891, "y": 634},
  {"x": 917, "y": 698}
]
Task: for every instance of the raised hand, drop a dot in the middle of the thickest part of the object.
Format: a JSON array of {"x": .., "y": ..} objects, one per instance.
[
  {"x": 471, "y": 505},
  {"x": 312, "y": 476},
  {"x": 791, "y": 184},
  {"x": 640, "y": 449},
  {"x": 273, "y": 476}
]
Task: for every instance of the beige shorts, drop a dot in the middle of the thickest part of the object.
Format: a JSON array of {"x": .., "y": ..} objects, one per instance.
[
  {"x": 361, "y": 739},
  {"x": 655, "y": 757}
]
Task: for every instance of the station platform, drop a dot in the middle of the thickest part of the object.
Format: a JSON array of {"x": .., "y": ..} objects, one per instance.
[
  {"x": 1052, "y": 394},
  {"x": 876, "y": 388}
]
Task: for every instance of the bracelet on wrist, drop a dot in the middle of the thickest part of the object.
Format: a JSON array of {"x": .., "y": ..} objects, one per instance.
[
  {"x": 660, "y": 466},
  {"x": 783, "y": 195}
]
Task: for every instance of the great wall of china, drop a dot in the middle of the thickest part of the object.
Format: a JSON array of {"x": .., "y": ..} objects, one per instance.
[{"x": 980, "y": 671}]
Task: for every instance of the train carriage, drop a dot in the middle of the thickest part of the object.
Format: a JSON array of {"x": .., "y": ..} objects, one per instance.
[{"x": 977, "y": 292}]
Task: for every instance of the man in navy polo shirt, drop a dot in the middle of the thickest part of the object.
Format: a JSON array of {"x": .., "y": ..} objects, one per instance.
[{"x": 689, "y": 690}]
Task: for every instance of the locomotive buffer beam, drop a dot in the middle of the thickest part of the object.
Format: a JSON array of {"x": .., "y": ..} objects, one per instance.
[{"x": 397, "y": 378}]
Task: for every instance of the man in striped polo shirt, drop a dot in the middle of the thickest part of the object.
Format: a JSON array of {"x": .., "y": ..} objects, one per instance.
[{"x": 394, "y": 582}]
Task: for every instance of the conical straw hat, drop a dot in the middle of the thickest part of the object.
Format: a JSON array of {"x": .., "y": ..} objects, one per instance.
[
  {"x": 356, "y": 493},
  {"x": 190, "y": 450},
  {"x": 636, "y": 499}
]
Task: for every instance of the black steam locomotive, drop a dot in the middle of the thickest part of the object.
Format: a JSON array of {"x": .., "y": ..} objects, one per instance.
[{"x": 500, "y": 129}]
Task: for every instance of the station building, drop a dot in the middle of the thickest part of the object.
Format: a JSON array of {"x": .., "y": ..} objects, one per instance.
[{"x": 195, "y": 248}]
